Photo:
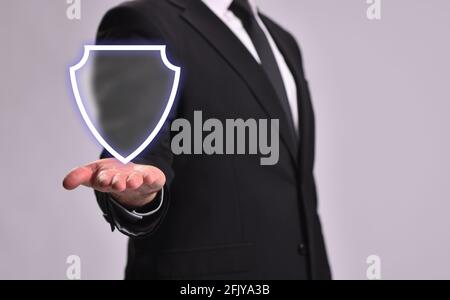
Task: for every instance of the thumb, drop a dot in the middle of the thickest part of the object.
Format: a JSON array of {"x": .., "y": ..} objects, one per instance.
[{"x": 78, "y": 176}]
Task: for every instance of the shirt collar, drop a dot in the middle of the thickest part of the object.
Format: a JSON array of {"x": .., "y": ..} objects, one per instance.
[{"x": 220, "y": 7}]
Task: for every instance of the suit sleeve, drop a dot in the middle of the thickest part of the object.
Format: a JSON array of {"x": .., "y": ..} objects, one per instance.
[{"x": 125, "y": 25}]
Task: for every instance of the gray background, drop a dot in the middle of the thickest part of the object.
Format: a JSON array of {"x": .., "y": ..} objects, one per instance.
[{"x": 380, "y": 90}]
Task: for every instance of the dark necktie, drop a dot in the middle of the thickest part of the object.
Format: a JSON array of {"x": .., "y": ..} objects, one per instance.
[{"x": 243, "y": 10}]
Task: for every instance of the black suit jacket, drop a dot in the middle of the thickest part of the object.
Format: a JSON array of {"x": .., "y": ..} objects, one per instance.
[{"x": 224, "y": 216}]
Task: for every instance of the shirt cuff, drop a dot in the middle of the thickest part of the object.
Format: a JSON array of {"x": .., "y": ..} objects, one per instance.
[
  {"x": 134, "y": 215},
  {"x": 132, "y": 222}
]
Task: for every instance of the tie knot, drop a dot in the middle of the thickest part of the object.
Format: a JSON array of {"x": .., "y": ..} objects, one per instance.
[{"x": 242, "y": 9}]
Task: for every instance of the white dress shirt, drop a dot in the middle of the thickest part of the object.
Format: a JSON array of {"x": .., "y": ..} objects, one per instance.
[{"x": 221, "y": 10}]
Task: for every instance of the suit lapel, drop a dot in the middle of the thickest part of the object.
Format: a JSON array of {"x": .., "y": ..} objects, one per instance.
[
  {"x": 223, "y": 40},
  {"x": 282, "y": 45},
  {"x": 291, "y": 61}
]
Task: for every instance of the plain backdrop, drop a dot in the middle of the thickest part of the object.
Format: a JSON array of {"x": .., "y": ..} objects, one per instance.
[{"x": 381, "y": 95}]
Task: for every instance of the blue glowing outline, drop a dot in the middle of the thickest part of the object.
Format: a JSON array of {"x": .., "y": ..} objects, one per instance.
[{"x": 81, "y": 107}]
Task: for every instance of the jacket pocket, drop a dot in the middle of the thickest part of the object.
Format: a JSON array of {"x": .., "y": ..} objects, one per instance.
[{"x": 191, "y": 263}]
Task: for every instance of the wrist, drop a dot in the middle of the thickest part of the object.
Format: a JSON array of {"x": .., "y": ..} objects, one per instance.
[{"x": 134, "y": 202}]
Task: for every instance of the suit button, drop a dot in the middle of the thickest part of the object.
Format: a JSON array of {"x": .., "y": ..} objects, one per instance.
[{"x": 302, "y": 249}]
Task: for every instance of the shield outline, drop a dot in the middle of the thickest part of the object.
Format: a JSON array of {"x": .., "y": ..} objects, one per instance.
[{"x": 81, "y": 107}]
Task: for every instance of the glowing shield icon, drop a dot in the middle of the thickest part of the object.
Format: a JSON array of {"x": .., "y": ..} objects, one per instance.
[{"x": 125, "y": 95}]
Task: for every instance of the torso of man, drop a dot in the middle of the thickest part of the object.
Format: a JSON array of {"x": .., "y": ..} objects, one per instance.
[{"x": 223, "y": 216}]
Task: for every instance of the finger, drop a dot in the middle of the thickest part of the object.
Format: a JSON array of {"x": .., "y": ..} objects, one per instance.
[
  {"x": 77, "y": 177},
  {"x": 104, "y": 179},
  {"x": 119, "y": 182},
  {"x": 135, "y": 180},
  {"x": 154, "y": 179},
  {"x": 148, "y": 178}
]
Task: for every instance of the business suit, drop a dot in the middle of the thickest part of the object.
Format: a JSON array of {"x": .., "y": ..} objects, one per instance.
[{"x": 223, "y": 216}]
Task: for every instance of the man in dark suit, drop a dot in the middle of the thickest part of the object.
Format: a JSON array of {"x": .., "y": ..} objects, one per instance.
[{"x": 217, "y": 216}]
